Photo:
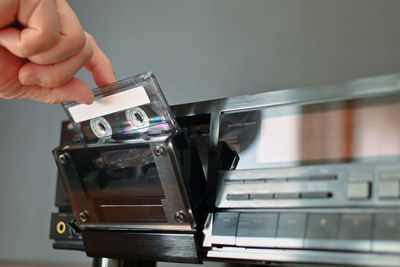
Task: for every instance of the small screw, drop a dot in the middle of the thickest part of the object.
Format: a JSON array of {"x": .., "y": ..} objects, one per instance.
[
  {"x": 159, "y": 150},
  {"x": 64, "y": 158},
  {"x": 179, "y": 216},
  {"x": 83, "y": 216}
]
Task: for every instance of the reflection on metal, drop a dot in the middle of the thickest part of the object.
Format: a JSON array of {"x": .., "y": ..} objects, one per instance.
[{"x": 107, "y": 262}]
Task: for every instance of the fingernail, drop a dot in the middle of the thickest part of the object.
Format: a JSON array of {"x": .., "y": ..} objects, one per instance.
[
  {"x": 31, "y": 80},
  {"x": 88, "y": 99}
]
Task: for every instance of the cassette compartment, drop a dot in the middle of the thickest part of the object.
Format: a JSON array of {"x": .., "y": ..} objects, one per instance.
[
  {"x": 137, "y": 183},
  {"x": 121, "y": 185},
  {"x": 130, "y": 186}
]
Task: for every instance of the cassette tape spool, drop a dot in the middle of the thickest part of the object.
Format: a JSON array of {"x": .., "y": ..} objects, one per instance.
[{"x": 129, "y": 109}]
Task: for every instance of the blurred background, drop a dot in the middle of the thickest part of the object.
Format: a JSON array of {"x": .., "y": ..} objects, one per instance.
[{"x": 199, "y": 50}]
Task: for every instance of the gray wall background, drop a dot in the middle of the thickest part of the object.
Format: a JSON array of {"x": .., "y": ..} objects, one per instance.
[{"x": 198, "y": 49}]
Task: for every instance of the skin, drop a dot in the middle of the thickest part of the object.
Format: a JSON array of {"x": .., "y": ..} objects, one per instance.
[{"x": 42, "y": 46}]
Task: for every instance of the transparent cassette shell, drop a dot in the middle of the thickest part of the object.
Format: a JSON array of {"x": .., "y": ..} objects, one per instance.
[{"x": 133, "y": 108}]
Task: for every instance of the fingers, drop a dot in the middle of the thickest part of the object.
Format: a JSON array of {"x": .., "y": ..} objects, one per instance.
[
  {"x": 56, "y": 47},
  {"x": 72, "y": 38},
  {"x": 52, "y": 32},
  {"x": 73, "y": 90},
  {"x": 8, "y": 9},
  {"x": 55, "y": 75},
  {"x": 41, "y": 30},
  {"x": 99, "y": 65},
  {"x": 59, "y": 75}
]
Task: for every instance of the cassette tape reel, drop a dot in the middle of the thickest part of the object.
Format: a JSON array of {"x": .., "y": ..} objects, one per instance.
[{"x": 129, "y": 109}]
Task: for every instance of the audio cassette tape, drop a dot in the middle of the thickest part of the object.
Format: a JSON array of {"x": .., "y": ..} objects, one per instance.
[{"x": 129, "y": 109}]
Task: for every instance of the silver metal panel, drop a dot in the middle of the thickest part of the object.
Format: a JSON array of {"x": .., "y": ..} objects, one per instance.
[
  {"x": 207, "y": 230},
  {"x": 385, "y": 84},
  {"x": 225, "y": 228},
  {"x": 386, "y": 246},
  {"x": 278, "y": 191},
  {"x": 355, "y": 232},
  {"x": 260, "y": 242},
  {"x": 321, "y": 231},
  {"x": 257, "y": 229},
  {"x": 386, "y": 233},
  {"x": 304, "y": 256},
  {"x": 365, "y": 194},
  {"x": 262, "y": 185},
  {"x": 172, "y": 181},
  {"x": 291, "y": 230}
]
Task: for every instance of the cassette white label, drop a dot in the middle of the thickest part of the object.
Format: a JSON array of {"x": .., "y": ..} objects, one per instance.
[{"x": 110, "y": 104}]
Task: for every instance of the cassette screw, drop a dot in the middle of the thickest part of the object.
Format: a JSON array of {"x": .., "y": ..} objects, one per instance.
[
  {"x": 64, "y": 158},
  {"x": 159, "y": 150},
  {"x": 179, "y": 216},
  {"x": 83, "y": 216}
]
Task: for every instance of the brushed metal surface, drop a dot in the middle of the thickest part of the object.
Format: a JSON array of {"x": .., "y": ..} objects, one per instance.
[{"x": 180, "y": 247}]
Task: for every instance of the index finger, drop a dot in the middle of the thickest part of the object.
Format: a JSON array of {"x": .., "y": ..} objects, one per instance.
[{"x": 99, "y": 65}]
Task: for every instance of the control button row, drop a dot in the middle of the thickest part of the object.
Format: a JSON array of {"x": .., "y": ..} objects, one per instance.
[
  {"x": 268, "y": 196},
  {"x": 355, "y": 232},
  {"x": 359, "y": 190},
  {"x": 281, "y": 179},
  {"x": 362, "y": 190},
  {"x": 389, "y": 190}
]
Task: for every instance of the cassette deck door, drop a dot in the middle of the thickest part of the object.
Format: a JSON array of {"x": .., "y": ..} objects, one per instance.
[{"x": 126, "y": 186}]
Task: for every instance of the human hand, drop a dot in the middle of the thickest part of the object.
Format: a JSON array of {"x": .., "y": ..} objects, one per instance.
[{"x": 39, "y": 61}]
